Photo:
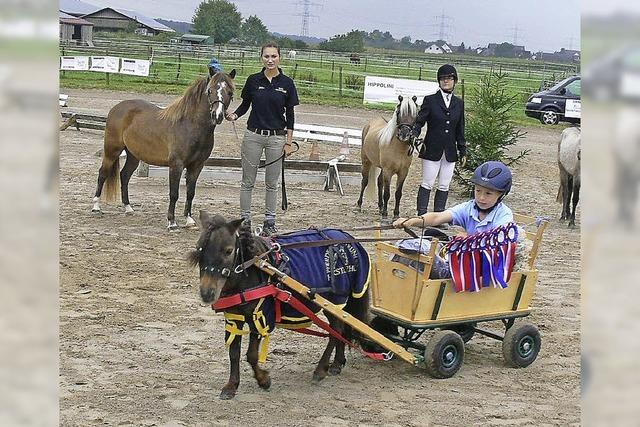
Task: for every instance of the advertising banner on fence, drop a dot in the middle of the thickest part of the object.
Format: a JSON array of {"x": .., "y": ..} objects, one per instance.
[
  {"x": 77, "y": 63},
  {"x": 135, "y": 67},
  {"x": 105, "y": 64},
  {"x": 573, "y": 108},
  {"x": 385, "y": 90}
]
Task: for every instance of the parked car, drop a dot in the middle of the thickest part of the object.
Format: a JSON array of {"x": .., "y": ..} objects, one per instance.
[
  {"x": 549, "y": 105},
  {"x": 613, "y": 76}
]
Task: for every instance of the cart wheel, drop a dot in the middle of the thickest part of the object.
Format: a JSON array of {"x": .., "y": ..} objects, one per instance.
[
  {"x": 521, "y": 345},
  {"x": 444, "y": 354},
  {"x": 465, "y": 331}
]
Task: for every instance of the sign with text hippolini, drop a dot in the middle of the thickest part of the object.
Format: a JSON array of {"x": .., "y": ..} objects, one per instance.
[{"x": 385, "y": 90}]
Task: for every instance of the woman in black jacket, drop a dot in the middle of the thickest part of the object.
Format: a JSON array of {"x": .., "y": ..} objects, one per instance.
[{"x": 444, "y": 143}]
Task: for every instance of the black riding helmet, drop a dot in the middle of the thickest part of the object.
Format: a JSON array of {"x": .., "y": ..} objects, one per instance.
[{"x": 447, "y": 70}]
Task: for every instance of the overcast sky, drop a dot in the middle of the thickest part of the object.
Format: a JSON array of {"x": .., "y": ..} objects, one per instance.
[{"x": 540, "y": 24}]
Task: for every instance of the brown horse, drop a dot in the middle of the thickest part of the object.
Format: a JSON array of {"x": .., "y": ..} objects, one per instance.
[
  {"x": 181, "y": 136},
  {"x": 388, "y": 146}
]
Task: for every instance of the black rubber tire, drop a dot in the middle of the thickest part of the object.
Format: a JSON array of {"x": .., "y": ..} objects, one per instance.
[
  {"x": 521, "y": 345},
  {"x": 444, "y": 354},
  {"x": 465, "y": 330},
  {"x": 549, "y": 116}
]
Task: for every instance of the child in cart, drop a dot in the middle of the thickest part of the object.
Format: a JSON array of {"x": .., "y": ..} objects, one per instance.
[{"x": 484, "y": 212}]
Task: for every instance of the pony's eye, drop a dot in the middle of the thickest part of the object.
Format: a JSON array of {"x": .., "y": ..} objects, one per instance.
[{"x": 228, "y": 251}]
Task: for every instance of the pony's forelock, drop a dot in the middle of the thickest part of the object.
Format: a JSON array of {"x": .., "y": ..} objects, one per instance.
[{"x": 407, "y": 107}]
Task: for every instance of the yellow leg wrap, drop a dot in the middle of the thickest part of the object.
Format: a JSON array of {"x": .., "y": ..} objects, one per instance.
[
  {"x": 260, "y": 322},
  {"x": 231, "y": 326}
]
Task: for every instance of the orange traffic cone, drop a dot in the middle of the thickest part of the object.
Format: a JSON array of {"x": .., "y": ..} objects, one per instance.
[
  {"x": 315, "y": 152},
  {"x": 344, "y": 147}
]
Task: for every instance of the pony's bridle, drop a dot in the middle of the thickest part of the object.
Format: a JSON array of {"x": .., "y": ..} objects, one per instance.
[
  {"x": 217, "y": 101},
  {"x": 407, "y": 126}
]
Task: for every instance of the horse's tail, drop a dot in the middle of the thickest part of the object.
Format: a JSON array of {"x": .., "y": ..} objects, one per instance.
[
  {"x": 372, "y": 186},
  {"x": 112, "y": 183},
  {"x": 559, "y": 196},
  {"x": 358, "y": 308}
]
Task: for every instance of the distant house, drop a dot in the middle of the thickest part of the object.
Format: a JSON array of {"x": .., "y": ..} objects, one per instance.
[
  {"x": 195, "y": 39},
  {"x": 110, "y": 19},
  {"x": 563, "y": 55},
  {"x": 439, "y": 46},
  {"x": 75, "y": 29}
]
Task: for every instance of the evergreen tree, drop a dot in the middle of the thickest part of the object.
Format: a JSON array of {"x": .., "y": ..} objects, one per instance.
[{"x": 489, "y": 130}]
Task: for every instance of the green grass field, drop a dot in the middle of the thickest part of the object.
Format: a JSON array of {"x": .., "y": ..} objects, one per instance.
[{"x": 321, "y": 77}]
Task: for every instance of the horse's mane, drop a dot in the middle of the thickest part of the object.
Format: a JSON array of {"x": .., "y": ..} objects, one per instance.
[
  {"x": 187, "y": 105},
  {"x": 407, "y": 107}
]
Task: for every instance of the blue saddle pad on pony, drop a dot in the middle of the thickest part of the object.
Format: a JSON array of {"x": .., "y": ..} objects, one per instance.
[{"x": 336, "y": 272}]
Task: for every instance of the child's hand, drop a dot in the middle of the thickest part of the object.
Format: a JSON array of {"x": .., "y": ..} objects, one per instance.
[{"x": 399, "y": 223}]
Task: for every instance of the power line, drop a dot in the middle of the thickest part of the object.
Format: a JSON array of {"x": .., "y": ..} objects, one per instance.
[
  {"x": 306, "y": 15},
  {"x": 444, "y": 26}
]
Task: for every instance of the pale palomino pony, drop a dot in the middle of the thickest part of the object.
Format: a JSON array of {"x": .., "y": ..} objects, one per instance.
[
  {"x": 387, "y": 151},
  {"x": 569, "y": 165}
]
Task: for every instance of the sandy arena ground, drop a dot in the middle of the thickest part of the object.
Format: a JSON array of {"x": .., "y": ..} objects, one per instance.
[{"x": 137, "y": 346}]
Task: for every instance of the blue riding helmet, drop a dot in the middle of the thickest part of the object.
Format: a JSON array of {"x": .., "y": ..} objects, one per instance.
[
  {"x": 494, "y": 175},
  {"x": 214, "y": 66}
]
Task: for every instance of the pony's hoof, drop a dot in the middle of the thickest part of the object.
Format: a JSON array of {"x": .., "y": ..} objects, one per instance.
[
  {"x": 265, "y": 384},
  {"x": 227, "y": 394},
  {"x": 335, "y": 369},
  {"x": 318, "y": 377},
  {"x": 96, "y": 211}
]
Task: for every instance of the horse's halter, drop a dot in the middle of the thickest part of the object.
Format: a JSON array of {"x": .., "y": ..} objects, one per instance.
[
  {"x": 226, "y": 272},
  {"x": 220, "y": 86}
]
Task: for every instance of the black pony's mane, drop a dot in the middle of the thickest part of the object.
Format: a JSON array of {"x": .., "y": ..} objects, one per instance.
[{"x": 250, "y": 244}]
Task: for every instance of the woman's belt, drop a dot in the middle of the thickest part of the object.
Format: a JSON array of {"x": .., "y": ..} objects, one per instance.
[{"x": 268, "y": 132}]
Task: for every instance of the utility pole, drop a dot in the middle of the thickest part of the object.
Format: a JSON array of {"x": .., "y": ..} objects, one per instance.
[
  {"x": 306, "y": 15},
  {"x": 444, "y": 27}
]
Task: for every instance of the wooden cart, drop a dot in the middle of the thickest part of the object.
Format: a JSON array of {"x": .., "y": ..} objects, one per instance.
[{"x": 406, "y": 303}]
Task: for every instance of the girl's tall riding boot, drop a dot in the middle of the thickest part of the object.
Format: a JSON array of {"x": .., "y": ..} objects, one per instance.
[
  {"x": 440, "y": 200},
  {"x": 423, "y": 200}
]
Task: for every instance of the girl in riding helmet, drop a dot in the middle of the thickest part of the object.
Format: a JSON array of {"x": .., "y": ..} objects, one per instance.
[{"x": 484, "y": 212}]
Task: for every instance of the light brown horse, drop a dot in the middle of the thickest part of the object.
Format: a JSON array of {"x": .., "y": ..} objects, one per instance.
[
  {"x": 388, "y": 146},
  {"x": 180, "y": 136}
]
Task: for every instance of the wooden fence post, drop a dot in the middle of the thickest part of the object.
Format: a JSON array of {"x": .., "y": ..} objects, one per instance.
[
  {"x": 420, "y": 73},
  {"x": 341, "y": 81},
  {"x": 365, "y": 64},
  {"x": 179, "y": 62},
  {"x": 295, "y": 71},
  {"x": 106, "y": 53},
  {"x": 462, "y": 81},
  {"x": 333, "y": 67},
  {"x": 242, "y": 63}
]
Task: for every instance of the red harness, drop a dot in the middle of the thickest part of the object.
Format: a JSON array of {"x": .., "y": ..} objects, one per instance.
[{"x": 282, "y": 296}]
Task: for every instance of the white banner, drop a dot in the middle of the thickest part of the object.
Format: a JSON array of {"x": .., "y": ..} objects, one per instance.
[
  {"x": 136, "y": 67},
  {"x": 78, "y": 63},
  {"x": 630, "y": 84},
  {"x": 105, "y": 64},
  {"x": 386, "y": 89},
  {"x": 573, "y": 108}
]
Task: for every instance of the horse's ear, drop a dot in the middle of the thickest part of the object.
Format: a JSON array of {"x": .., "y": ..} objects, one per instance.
[
  {"x": 415, "y": 98},
  {"x": 232, "y": 74},
  {"x": 234, "y": 226},
  {"x": 211, "y": 71},
  {"x": 205, "y": 218},
  {"x": 400, "y": 98}
]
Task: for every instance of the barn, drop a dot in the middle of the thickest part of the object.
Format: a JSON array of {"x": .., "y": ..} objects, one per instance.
[
  {"x": 74, "y": 29},
  {"x": 110, "y": 19}
]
